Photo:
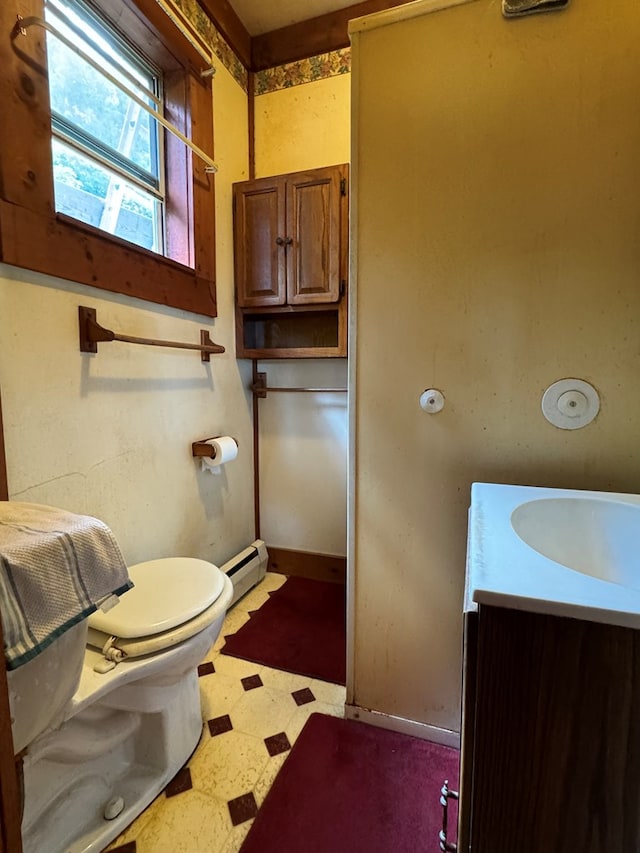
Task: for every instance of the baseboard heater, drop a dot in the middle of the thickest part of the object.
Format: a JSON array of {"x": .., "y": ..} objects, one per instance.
[{"x": 247, "y": 568}]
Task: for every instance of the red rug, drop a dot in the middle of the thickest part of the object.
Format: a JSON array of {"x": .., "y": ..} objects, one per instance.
[
  {"x": 347, "y": 787},
  {"x": 302, "y": 629}
]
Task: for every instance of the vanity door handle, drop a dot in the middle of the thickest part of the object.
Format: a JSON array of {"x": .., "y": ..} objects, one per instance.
[
  {"x": 445, "y": 795},
  {"x": 280, "y": 241}
]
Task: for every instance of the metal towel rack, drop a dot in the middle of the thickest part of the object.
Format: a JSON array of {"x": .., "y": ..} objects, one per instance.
[
  {"x": 92, "y": 333},
  {"x": 260, "y": 388}
]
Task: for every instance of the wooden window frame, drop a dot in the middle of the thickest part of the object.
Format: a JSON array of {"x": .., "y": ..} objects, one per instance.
[{"x": 33, "y": 236}]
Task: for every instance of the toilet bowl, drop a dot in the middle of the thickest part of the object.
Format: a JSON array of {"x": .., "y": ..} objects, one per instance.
[{"x": 104, "y": 740}]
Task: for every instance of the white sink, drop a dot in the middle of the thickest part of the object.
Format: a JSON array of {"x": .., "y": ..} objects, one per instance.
[
  {"x": 563, "y": 552},
  {"x": 597, "y": 537}
]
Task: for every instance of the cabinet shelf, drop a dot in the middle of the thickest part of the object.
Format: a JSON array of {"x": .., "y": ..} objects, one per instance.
[{"x": 292, "y": 334}]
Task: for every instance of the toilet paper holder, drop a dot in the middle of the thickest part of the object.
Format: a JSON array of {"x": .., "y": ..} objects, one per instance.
[{"x": 201, "y": 448}]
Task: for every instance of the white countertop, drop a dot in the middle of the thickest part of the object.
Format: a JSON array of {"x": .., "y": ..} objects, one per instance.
[{"x": 502, "y": 570}]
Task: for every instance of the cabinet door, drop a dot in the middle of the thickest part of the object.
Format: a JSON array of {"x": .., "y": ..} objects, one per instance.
[
  {"x": 313, "y": 248},
  {"x": 557, "y": 735},
  {"x": 259, "y": 234}
]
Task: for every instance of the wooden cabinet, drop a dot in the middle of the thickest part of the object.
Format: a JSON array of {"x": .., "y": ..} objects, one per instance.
[
  {"x": 290, "y": 246},
  {"x": 550, "y": 735}
]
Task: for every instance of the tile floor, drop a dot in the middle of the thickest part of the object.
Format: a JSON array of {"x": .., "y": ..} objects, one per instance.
[{"x": 253, "y": 715}]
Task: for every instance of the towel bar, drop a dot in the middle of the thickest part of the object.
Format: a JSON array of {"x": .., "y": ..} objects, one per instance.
[
  {"x": 92, "y": 333},
  {"x": 259, "y": 388}
]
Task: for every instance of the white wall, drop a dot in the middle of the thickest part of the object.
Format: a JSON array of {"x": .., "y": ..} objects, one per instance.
[
  {"x": 110, "y": 434},
  {"x": 303, "y": 454},
  {"x": 303, "y": 458}
]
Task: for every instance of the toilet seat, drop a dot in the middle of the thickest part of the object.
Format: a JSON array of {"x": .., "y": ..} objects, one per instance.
[
  {"x": 172, "y": 600},
  {"x": 116, "y": 649},
  {"x": 167, "y": 593}
]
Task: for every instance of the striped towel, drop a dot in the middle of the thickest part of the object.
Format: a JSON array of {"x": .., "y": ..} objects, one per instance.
[{"x": 55, "y": 569}]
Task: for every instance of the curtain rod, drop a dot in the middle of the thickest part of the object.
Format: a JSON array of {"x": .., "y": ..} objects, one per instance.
[
  {"x": 20, "y": 28},
  {"x": 183, "y": 24}
]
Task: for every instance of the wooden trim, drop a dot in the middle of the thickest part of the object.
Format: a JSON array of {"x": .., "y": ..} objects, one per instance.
[
  {"x": 26, "y": 171},
  {"x": 255, "y": 408},
  {"x": 63, "y": 248},
  {"x": 229, "y": 24},
  {"x": 179, "y": 190},
  {"x": 251, "y": 107},
  {"x": 310, "y": 38},
  {"x": 202, "y": 185},
  {"x": 306, "y": 564},
  {"x": 288, "y": 44},
  {"x": 4, "y": 486},
  {"x": 149, "y": 27},
  {"x": 292, "y": 352}
]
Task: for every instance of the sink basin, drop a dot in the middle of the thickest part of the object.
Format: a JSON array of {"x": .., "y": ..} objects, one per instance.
[
  {"x": 562, "y": 552},
  {"x": 600, "y": 538}
]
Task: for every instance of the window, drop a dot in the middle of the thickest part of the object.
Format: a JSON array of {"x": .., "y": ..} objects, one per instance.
[
  {"x": 108, "y": 163},
  {"x": 92, "y": 187}
]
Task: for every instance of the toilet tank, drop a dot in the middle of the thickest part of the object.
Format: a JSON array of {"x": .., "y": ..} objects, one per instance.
[{"x": 40, "y": 689}]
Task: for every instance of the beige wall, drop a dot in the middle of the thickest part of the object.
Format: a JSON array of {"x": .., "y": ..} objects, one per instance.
[
  {"x": 497, "y": 167},
  {"x": 110, "y": 434},
  {"x": 303, "y": 437},
  {"x": 303, "y": 127}
]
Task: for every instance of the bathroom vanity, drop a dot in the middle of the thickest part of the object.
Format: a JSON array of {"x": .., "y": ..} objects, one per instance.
[{"x": 551, "y": 689}]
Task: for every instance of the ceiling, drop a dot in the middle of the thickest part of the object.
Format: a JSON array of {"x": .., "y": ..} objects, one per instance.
[{"x": 263, "y": 16}]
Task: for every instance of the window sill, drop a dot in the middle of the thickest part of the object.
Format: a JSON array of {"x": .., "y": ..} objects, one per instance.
[{"x": 60, "y": 246}]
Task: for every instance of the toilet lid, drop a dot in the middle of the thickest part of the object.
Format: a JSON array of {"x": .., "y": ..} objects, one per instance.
[{"x": 167, "y": 593}]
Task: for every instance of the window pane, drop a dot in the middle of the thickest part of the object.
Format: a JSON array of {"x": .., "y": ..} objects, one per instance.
[
  {"x": 86, "y": 190},
  {"x": 90, "y": 102}
]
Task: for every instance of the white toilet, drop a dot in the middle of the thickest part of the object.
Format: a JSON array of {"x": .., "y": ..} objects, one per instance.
[{"x": 110, "y": 711}]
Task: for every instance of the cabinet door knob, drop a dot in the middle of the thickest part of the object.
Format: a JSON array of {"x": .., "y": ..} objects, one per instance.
[
  {"x": 288, "y": 241},
  {"x": 279, "y": 241}
]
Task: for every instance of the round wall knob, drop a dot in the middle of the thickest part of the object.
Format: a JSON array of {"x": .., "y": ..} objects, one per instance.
[
  {"x": 432, "y": 400},
  {"x": 570, "y": 403}
]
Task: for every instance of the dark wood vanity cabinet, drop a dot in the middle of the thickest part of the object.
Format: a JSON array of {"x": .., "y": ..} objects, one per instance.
[
  {"x": 290, "y": 249},
  {"x": 550, "y": 735}
]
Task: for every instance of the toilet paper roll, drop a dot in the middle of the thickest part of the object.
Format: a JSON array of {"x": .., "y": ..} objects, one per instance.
[{"x": 226, "y": 450}]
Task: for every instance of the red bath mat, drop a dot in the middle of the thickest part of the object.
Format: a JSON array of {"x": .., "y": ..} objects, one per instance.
[
  {"x": 301, "y": 629},
  {"x": 347, "y": 787}
]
